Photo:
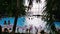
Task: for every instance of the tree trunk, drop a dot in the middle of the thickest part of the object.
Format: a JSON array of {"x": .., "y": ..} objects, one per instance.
[
  {"x": 16, "y": 18},
  {"x": 14, "y": 26},
  {"x": 15, "y": 23}
]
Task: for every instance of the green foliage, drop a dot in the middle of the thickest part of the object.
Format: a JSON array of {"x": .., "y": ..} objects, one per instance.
[
  {"x": 53, "y": 8},
  {"x": 9, "y": 8},
  {"x": 52, "y": 12}
]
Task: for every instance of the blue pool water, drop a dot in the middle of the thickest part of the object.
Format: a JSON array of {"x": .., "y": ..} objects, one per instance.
[{"x": 20, "y": 21}]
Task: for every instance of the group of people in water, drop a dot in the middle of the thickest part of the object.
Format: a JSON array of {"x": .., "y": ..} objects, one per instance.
[{"x": 5, "y": 30}]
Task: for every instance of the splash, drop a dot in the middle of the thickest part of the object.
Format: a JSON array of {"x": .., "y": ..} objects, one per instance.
[{"x": 37, "y": 9}]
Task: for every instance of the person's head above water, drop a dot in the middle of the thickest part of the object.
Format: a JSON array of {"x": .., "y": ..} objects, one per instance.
[
  {"x": 5, "y": 23},
  {"x": 8, "y": 22}
]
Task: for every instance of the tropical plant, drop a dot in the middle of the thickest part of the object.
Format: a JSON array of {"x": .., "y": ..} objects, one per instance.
[{"x": 52, "y": 12}]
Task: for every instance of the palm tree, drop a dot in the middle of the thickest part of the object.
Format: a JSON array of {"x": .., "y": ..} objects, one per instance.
[{"x": 52, "y": 12}]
